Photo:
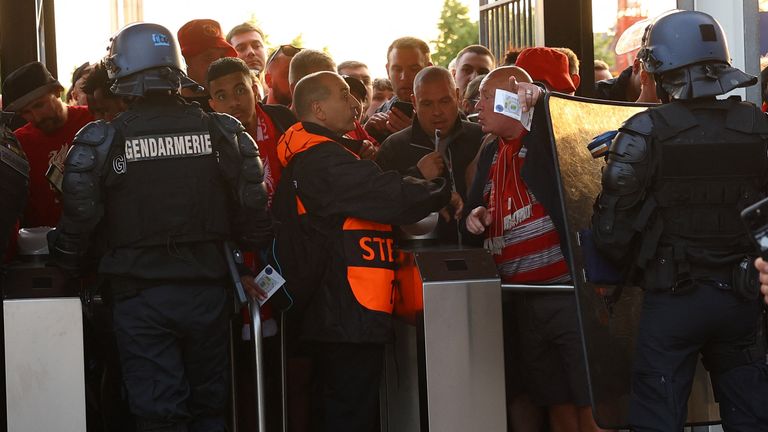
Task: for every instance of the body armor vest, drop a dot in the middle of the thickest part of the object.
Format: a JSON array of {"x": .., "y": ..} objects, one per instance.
[
  {"x": 709, "y": 162},
  {"x": 165, "y": 187}
]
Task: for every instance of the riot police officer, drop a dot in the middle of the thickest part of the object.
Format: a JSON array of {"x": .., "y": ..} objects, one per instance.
[
  {"x": 677, "y": 176},
  {"x": 153, "y": 195}
]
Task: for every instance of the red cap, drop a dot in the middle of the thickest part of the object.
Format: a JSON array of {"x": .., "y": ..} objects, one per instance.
[
  {"x": 548, "y": 65},
  {"x": 199, "y": 35}
]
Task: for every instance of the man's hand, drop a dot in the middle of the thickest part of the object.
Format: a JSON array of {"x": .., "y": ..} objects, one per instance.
[
  {"x": 478, "y": 220},
  {"x": 253, "y": 290},
  {"x": 367, "y": 150},
  {"x": 527, "y": 93},
  {"x": 397, "y": 120},
  {"x": 377, "y": 123},
  {"x": 431, "y": 166},
  {"x": 762, "y": 266},
  {"x": 454, "y": 208}
]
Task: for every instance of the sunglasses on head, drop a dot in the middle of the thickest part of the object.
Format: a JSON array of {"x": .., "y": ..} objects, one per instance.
[{"x": 288, "y": 50}]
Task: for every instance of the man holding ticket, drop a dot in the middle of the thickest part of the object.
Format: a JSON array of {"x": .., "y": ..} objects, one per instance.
[{"x": 512, "y": 207}]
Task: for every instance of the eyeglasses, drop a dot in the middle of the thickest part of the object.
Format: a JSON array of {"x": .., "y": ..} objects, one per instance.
[{"x": 288, "y": 50}]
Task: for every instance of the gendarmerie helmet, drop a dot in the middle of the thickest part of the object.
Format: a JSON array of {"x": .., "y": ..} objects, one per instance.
[
  {"x": 688, "y": 54},
  {"x": 145, "y": 57}
]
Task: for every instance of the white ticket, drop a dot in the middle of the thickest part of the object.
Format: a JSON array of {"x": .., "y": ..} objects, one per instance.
[
  {"x": 269, "y": 280},
  {"x": 507, "y": 103}
]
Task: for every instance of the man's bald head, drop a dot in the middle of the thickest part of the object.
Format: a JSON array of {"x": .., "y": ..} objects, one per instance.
[
  {"x": 499, "y": 77},
  {"x": 314, "y": 87},
  {"x": 323, "y": 98},
  {"x": 433, "y": 74},
  {"x": 489, "y": 120}
]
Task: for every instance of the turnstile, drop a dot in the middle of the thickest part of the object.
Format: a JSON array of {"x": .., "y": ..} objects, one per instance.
[
  {"x": 445, "y": 371},
  {"x": 44, "y": 353}
]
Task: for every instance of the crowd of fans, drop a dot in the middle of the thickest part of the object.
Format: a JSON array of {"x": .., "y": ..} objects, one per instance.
[{"x": 423, "y": 121}]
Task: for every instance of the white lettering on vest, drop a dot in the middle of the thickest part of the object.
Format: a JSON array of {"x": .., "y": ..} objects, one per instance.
[{"x": 167, "y": 146}]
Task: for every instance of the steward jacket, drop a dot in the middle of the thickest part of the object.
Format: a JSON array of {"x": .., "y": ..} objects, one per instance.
[{"x": 351, "y": 203}]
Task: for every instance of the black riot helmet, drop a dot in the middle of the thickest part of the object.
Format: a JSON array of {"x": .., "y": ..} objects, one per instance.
[
  {"x": 145, "y": 57},
  {"x": 688, "y": 54}
]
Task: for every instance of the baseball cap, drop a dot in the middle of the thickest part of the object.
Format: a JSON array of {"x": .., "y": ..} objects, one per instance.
[
  {"x": 199, "y": 35},
  {"x": 547, "y": 65}
]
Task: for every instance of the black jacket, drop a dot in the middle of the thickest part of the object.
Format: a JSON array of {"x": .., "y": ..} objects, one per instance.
[
  {"x": 403, "y": 150},
  {"x": 281, "y": 116},
  {"x": 614, "y": 88}
]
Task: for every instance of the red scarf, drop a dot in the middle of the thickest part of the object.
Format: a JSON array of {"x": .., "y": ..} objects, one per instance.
[
  {"x": 509, "y": 202},
  {"x": 266, "y": 138}
]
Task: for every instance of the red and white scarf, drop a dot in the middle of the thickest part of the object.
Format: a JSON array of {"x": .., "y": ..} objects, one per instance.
[{"x": 509, "y": 201}]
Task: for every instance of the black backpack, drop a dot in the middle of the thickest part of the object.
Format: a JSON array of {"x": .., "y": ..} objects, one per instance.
[{"x": 300, "y": 250}]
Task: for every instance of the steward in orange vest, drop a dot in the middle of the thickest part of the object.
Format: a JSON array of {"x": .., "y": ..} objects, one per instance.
[{"x": 347, "y": 205}]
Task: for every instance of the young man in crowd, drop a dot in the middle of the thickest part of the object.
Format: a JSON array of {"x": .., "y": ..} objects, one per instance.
[
  {"x": 405, "y": 58},
  {"x": 248, "y": 41},
  {"x": 360, "y": 71},
  {"x": 276, "y": 75},
  {"x": 307, "y": 62},
  {"x": 348, "y": 319},
  {"x": 102, "y": 103},
  {"x": 472, "y": 61},
  {"x": 602, "y": 71},
  {"x": 34, "y": 94},
  {"x": 201, "y": 44},
  {"x": 75, "y": 95},
  {"x": 412, "y": 151},
  {"x": 471, "y": 96},
  {"x": 382, "y": 92},
  {"x": 234, "y": 91}
]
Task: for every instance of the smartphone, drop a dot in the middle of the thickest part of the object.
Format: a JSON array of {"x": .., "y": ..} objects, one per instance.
[
  {"x": 756, "y": 219},
  {"x": 404, "y": 107}
]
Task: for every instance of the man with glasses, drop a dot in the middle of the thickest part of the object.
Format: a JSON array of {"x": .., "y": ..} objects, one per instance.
[{"x": 276, "y": 75}]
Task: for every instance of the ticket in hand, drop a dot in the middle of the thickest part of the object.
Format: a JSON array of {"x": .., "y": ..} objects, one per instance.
[
  {"x": 507, "y": 103},
  {"x": 269, "y": 281}
]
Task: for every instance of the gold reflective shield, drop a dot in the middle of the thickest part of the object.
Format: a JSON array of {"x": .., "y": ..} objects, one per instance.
[{"x": 608, "y": 320}]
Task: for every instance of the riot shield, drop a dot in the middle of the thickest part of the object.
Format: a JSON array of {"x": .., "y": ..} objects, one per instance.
[{"x": 608, "y": 314}]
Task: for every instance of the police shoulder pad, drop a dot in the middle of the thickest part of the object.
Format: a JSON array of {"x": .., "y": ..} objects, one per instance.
[
  {"x": 640, "y": 123},
  {"x": 227, "y": 123},
  {"x": 93, "y": 134}
]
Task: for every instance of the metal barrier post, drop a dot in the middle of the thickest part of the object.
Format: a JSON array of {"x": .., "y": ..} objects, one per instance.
[{"x": 253, "y": 306}]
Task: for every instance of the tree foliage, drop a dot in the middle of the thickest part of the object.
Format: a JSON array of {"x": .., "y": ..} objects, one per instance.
[
  {"x": 457, "y": 30},
  {"x": 603, "y": 43}
]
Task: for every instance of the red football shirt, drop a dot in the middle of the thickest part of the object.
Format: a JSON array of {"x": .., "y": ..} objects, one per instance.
[{"x": 43, "y": 207}]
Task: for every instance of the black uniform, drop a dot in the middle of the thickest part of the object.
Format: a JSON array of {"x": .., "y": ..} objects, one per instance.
[
  {"x": 676, "y": 178},
  {"x": 166, "y": 184}
]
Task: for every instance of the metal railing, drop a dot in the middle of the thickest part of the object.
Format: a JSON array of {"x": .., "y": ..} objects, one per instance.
[
  {"x": 507, "y": 23},
  {"x": 517, "y": 288}
]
